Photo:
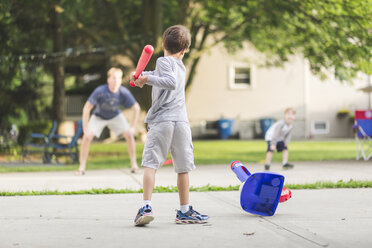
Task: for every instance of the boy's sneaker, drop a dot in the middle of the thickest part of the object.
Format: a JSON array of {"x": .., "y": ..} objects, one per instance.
[
  {"x": 287, "y": 166},
  {"x": 144, "y": 216},
  {"x": 267, "y": 167},
  {"x": 191, "y": 217}
]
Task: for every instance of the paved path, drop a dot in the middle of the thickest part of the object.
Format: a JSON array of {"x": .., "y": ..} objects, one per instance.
[
  {"x": 312, "y": 218},
  {"x": 218, "y": 175}
]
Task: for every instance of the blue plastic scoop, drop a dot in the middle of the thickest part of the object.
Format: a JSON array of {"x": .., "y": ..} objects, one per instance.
[{"x": 260, "y": 192}]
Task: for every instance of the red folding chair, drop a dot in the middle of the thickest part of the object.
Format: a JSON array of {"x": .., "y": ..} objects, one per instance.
[{"x": 363, "y": 134}]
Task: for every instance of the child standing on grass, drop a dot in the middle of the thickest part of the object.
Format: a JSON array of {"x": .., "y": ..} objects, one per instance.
[
  {"x": 278, "y": 137},
  {"x": 168, "y": 126}
]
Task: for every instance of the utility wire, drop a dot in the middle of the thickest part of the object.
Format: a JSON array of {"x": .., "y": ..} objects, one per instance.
[{"x": 57, "y": 56}]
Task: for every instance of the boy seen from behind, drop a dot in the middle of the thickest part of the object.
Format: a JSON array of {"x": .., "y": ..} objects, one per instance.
[{"x": 168, "y": 126}]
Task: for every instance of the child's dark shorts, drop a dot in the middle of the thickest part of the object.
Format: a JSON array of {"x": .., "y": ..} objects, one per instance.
[{"x": 280, "y": 146}]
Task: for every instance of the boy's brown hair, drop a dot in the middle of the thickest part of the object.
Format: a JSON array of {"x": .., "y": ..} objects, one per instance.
[
  {"x": 176, "y": 38},
  {"x": 289, "y": 109},
  {"x": 113, "y": 70}
]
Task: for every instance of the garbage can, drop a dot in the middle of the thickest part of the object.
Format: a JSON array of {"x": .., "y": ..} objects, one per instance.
[
  {"x": 265, "y": 125},
  {"x": 225, "y": 128}
]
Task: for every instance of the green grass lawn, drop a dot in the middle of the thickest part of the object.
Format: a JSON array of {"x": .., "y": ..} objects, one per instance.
[
  {"x": 106, "y": 156},
  {"x": 171, "y": 189}
]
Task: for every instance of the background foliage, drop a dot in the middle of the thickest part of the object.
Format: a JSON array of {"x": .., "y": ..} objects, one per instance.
[{"x": 44, "y": 42}]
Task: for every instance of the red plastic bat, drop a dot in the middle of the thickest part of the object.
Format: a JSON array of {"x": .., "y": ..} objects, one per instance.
[{"x": 147, "y": 51}]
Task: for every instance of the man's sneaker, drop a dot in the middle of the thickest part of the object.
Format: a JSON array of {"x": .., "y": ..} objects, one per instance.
[
  {"x": 190, "y": 217},
  {"x": 287, "y": 166},
  {"x": 267, "y": 167},
  {"x": 144, "y": 216}
]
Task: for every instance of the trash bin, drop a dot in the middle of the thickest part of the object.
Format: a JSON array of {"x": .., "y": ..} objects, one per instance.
[
  {"x": 225, "y": 128},
  {"x": 265, "y": 125}
]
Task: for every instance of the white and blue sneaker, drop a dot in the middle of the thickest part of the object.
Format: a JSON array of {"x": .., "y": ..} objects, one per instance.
[
  {"x": 191, "y": 217},
  {"x": 144, "y": 216}
]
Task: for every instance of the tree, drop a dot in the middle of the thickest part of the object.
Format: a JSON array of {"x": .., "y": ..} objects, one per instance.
[
  {"x": 33, "y": 39},
  {"x": 20, "y": 81},
  {"x": 58, "y": 71},
  {"x": 330, "y": 34}
]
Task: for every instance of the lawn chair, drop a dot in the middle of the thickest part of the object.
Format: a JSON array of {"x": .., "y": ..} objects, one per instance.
[
  {"x": 39, "y": 143},
  {"x": 363, "y": 134},
  {"x": 68, "y": 150}
]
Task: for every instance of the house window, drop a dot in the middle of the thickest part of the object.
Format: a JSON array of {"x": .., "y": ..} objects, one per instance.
[
  {"x": 240, "y": 77},
  {"x": 320, "y": 127}
]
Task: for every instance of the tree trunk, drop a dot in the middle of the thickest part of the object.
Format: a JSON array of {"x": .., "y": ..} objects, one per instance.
[
  {"x": 194, "y": 63},
  {"x": 184, "y": 11},
  {"x": 58, "y": 70},
  {"x": 158, "y": 23}
]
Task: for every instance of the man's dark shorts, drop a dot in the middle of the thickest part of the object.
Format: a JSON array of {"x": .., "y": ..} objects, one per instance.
[{"x": 280, "y": 146}]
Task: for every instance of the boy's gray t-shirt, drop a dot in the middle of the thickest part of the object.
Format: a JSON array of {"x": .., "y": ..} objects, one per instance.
[
  {"x": 279, "y": 131},
  {"x": 168, "y": 91}
]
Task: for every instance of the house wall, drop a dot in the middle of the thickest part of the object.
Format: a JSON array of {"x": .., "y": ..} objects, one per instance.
[
  {"x": 273, "y": 89},
  {"x": 326, "y": 98}
]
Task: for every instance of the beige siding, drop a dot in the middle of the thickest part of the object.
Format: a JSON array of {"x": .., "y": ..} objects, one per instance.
[
  {"x": 326, "y": 98},
  {"x": 273, "y": 89}
]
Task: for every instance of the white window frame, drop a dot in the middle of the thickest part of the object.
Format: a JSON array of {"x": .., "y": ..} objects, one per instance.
[
  {"x": 232, "y": 84},
  {"x": 320, "y": 131}
]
